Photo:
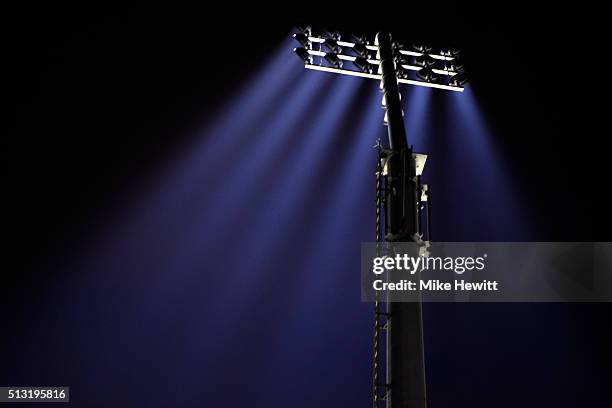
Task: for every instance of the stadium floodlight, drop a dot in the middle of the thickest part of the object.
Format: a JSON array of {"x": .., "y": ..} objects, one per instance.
[
  {"x": 459, "y": 80},
  {"x": 303, "y": 54},
  {"x": 421, "y": 48},
  {"x": 302, "y": 38},
  {"x": 334, "y": 35},
  {"x": 304, "y": 29},
  {"x": 412, "y": 58},
  {"x": 426, "y": 61},
  {"x": 453, "y": 65},
  {"x": 360, "y": 38},
  {"x": 404, "y": 195},
  {"x": 451, "y": 52},
  {"x": 332, "y": 45},
  {"x": 362, "y": 64},
  {"x": 427, "y": 74},
  {"x": 333, "y": 60},
  {"x": 361, "y": 49}
]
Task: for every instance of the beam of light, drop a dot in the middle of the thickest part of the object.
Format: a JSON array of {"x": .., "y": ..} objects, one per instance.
[
  {"x": 282, "y": 196},
  {"x": 345, "y": 191},
  {"x": 226, "y": 228},
  {"x": 416, "y": 106},
  {"x": 244, "y": 177},
  {"x": 238, "y": 191},
  {"x": 212, "y": 232},
  {"x": 474, "y": 197},
  {"x": 501, "y": 182},
  {"x": 329, "y": 246},
  {"x": 223, "y": 205},
  {"x": 202, "y": 160},
  {"x": 118, "y": 290},
  {"x": 226, "y": 211},
  {"x": 306, "y": 153},
  {"x": 232, "y": 267},
  {"x": 204, "y": 213}
]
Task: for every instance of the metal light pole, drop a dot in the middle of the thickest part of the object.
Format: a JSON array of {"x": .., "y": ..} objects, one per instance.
[
  {"x": 404, "y": 194},
  {"x": 405, "y": 365}
]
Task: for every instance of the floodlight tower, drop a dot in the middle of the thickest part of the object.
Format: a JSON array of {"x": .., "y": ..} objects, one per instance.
[{"x": 399, "y": 175}]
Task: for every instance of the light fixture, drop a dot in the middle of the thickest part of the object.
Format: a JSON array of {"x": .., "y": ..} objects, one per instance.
[
  {"x": 429, "y": 65},
  {"x": 451, "y": 52},
  {"x": 304, "y": 29},
  {"x": 362, "y": 64},
  {"x": 361, "y": 49},
  {"x": 334, "y": 35},
  {"x": 401, "y": 59},
  {"x": 421, "y": 48},
  {"x": 426, "y": 74},
  {"x": 303, "y": 54},
  {"x": 453, "y": 65},
  {"x": 360, "y": 39},
  {"x": 302, "y": 39},
  {"x": 333, "y": 60},
  {"x": 458, "y": 80},
  {"x": 402, "y": 73},
  {"x": 425, "y": 61},
  {"x": 332, "y": 45}
]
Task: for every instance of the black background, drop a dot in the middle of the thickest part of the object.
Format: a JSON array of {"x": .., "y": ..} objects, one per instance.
[{"x": 99, "y": 98}]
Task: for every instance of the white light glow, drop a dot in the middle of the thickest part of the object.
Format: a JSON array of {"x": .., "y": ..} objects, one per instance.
[
  {"x": 342, "y": 71},
  {"x": 419, "y": 161},
  {"x": 378, "y": 76},
  {"x": 437, "y": 71},
  {"x": 430, "y": 84},
  {"x": 377, "y": 62},
  {"x": 342, "y": 57},
  {"x": 434, "y": 56},
  {"x": 444, "y": 72},
  {"x": 375, "y": 48}
]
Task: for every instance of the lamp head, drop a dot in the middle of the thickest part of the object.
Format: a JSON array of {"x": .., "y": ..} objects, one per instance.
[
  {"x": 426, "y": 74},
  {"x": 421, "y": 48},
  {"x": 453, "y": 65},
  {"x": 458, "y": 80},
  {"x": 302, "y": 39},
  {"x": 425, "y": 61},
  {"x": 333, "y": 60},
  {"x": 361, "y": 50},
  {"x": 332, "y": 45},
  {"x": 303, "y": 54},
  {"x": 362, "y": 64}
]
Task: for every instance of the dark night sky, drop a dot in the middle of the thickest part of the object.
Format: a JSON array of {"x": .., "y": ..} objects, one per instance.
[{"x": 98, "y": 100}]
